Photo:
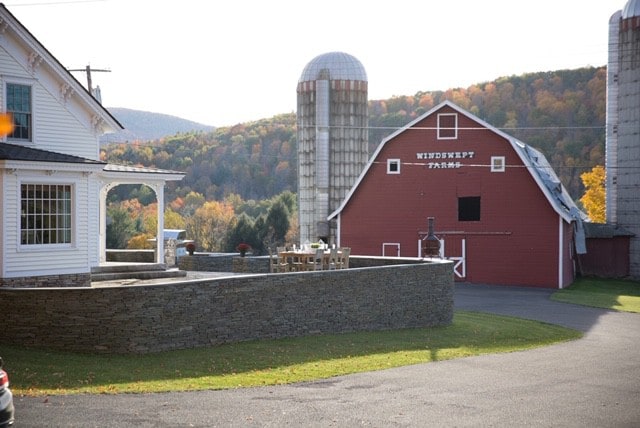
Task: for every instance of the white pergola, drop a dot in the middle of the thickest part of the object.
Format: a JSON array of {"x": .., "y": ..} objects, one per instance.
[{"x": 115, "y": 175}]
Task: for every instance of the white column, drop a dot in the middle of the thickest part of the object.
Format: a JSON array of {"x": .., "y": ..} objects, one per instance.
[
  {"x": 159, "y": 189},
  {"x": 104, "y": 191}
]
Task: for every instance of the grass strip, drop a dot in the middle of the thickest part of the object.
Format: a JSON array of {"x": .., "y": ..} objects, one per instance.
[
  {"x": 272, "y": 362},
  {"x": 619, "y": 295}
]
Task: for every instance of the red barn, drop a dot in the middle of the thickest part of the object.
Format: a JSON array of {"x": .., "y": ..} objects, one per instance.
[{"x": 498, "y": 206}]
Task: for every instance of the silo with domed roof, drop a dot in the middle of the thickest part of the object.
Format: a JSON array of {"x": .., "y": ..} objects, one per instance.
[{"x": 332, "y": 122}]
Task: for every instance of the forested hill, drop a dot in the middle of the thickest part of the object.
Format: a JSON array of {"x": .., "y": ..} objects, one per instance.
[
  {"x": 145, "y": 126},
  {"x": 561, "y": 113}
]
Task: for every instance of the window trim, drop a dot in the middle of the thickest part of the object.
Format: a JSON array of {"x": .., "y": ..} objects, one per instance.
[
  {"x": 448, "y": 129},
  {"x": 9, "y": 80},
  {"x": 498, "y": 164},
  {"x": 71, "y": 212},
  {"x": 391, "y": 162}
]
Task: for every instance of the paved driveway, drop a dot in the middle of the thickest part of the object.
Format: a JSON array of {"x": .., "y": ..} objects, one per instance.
[{"x": 591, "y": 382}]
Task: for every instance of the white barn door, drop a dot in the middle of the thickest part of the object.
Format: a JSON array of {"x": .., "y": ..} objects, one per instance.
[
  {"x": 459, "y": 246},
  {"x": 391, "y": 249}
]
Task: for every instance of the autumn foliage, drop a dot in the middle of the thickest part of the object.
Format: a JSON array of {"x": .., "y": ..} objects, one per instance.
[
  {"x": 560, "y": 113},
  {"x": 594, "y": 195}
]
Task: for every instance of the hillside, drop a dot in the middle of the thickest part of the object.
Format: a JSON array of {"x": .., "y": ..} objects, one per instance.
[
  {"x": 561, "y": 113},
  {"x": 147, "y": 126}
]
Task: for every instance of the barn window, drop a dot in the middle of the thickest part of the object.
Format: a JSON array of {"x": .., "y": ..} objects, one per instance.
[
  {"x": 19, "y": 105},
  {"x": 393, "y": 166},
  {"x": 447, "y": 126},
  {"x": 497, "y": 164},
  {"x": 469, "y": 208},
  {"x": 45, "y": 214}
]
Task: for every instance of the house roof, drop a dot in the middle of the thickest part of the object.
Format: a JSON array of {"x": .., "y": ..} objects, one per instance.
[
  {"x": 59, "y": 69},
  {"x": 140, "y": 170},
  {"x": 21, "y": 153},
  {"x": 14, "y": 152},
  {"x": 535, "y": 161}
]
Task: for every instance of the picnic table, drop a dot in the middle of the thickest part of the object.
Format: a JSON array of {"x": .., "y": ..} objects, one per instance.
[{"x": 309, "y": 259}]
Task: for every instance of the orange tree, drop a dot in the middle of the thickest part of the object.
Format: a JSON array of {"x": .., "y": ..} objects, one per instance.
[{"x": 593, "y": 199}]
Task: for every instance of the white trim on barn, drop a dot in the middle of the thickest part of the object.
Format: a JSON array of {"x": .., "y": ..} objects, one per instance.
[{"x": 560, "y": 251}]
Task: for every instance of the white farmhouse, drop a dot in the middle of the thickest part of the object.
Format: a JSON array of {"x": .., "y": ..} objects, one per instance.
[{"x": 53, "y": 186}]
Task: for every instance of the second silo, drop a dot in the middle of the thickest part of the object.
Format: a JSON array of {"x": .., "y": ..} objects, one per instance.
[
  {"x": 332, "y": 121},
  {"x": 623, "y": 126}
]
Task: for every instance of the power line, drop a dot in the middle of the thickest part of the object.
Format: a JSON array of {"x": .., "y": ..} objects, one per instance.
[{"x": 55, "y": 3}]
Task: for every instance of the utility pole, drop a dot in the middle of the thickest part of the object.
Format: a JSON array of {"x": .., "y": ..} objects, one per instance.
[{"x": 88, "y": 70}]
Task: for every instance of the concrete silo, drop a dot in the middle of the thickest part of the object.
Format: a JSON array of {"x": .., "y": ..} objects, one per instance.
[
  {"x": 623, "y": 126},
  {"x": 332, "y": 121}
]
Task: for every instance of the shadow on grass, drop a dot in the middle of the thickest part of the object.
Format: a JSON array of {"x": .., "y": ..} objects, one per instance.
[{"x": 275, "y": 361}]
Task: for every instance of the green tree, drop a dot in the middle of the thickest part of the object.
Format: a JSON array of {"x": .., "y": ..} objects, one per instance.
[
  {"x": 242, "y": 231},
  {"x": 277, "y": 221},
  {"x": 289, "y": 200},
  {"x": 144, "y": 194},
  {"x": 120, "y": 227}
]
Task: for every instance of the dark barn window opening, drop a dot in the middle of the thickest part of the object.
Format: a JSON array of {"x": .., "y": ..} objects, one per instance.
[{"x": 469, "y": 208}]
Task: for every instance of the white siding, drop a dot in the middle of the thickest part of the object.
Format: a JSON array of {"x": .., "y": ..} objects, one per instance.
[
  {"x": 55, "y": 128},
  {"x": 35, "y": 260},
  {"x": 3, "y": 210}
]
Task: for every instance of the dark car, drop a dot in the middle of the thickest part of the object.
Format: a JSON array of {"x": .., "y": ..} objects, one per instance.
[{"x": 6, "y": 400}]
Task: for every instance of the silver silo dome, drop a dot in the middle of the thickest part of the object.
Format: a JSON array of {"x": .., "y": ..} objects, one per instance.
[
  {"x": 340, "y": 65},
  {"x": 631, "y": 9}
]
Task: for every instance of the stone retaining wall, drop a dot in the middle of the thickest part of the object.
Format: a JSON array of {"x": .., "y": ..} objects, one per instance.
[
  {"x": 214, "y": 263},
  {"x": 131, "y": 256},
  {"x": 152, "y": 318},
  {"x": 224, "y": 262},
  {"x": 61, "y": 280}
]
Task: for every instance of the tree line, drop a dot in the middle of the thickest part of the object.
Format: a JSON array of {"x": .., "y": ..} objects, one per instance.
[
  {"x": 243, "y": 178},
  {"x": 216, "y": 226}
]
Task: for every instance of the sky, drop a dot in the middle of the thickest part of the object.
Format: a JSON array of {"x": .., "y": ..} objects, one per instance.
[{"x": 226, "y": 62}]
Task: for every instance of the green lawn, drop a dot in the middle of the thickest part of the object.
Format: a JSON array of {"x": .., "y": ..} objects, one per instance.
[
  {"x": 272, "y": 362},
  {"x": 602, "y": 293}
]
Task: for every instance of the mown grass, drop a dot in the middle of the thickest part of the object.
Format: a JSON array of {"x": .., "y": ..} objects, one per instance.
[
  {"x": 614, "y": 294},
  {"x": 272, "y": 362}
]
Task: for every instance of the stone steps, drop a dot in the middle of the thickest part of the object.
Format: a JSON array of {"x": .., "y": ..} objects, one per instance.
[{"x": 114, "y": 272}]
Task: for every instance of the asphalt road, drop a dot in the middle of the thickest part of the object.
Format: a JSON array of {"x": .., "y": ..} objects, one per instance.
[{"x": 591, "y": 382}]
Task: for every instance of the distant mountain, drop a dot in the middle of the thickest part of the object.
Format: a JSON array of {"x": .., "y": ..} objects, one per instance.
[{"x": 147, "y": 126}]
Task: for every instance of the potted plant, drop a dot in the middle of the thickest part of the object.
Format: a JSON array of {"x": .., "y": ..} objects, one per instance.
[
  {"x": 242, "y": 248},
  {"x": 191, "y": 247}
]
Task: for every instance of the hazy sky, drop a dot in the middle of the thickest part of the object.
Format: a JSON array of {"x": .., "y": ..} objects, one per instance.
[{"x": 230, "y": 61}]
